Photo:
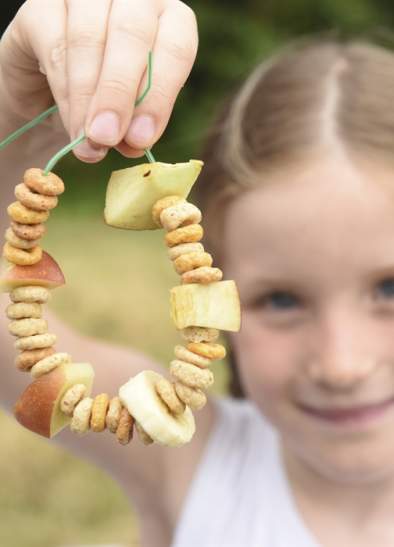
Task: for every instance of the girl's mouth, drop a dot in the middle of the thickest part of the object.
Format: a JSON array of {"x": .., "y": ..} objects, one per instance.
[{"x": 351, "y": 415}]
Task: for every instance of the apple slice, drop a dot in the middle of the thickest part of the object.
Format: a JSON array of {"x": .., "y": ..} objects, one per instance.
[
  {"x": 45, "y": 273},
  {"x": 215, "y": 305},
  {"x": 132, "y": 192},
  {"x": 38, "y": 409}
]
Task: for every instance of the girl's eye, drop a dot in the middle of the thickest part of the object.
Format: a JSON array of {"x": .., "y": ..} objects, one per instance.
[
  {"x": 279, "y": 300},
  {"x": 386, "y": 288}
]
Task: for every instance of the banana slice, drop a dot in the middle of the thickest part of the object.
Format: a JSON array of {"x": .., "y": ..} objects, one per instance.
[{"x": 140, "y": 398}]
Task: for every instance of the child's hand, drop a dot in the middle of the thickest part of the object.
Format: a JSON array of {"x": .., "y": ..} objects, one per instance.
[{"x": 90, "y": 57}]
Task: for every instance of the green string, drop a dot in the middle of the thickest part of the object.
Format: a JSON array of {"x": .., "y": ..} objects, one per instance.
[
  {"x": 28, "y": 126},
  {"x": 52, "y": 162}
]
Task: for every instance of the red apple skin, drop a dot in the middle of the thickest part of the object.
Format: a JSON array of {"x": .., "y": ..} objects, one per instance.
[
  {"x": 46, "y": 273},
  {"x": 35, "y": 406}
]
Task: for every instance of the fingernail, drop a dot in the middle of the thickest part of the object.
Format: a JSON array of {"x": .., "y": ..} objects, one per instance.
[
  {"x": 85, "y": 150},
  {"x": 141, "y": 131},
  {"x": 105, "y": 128}
]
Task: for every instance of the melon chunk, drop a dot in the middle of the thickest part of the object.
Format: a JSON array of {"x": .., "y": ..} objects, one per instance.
[
  {"x": 215, "y": 305},
  {"x": 132, "y": 192},
  {"x": 38, "y": 408}
]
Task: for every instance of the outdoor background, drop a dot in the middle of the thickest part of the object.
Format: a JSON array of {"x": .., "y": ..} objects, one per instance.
[{"x": 47, "y": 497}]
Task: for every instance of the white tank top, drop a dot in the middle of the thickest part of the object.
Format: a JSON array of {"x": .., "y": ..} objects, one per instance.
[{"x": 239, "y": 496}]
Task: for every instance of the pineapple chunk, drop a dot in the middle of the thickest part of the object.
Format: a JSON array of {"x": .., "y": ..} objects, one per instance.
[
  {"x": 215, "y": 305},
  {"x": 132, "y": 192}
]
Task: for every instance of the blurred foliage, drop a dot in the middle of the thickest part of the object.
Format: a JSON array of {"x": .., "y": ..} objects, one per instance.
[{"x": 234, "y": 37}]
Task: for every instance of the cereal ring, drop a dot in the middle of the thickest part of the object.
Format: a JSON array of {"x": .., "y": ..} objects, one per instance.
[
  {"x": 124, "y": 431},
  {"x": 182, "y": 213},
  {"x": 23, "y": 310},
  {"x": 205, "y": 274},
  {"x": 27, "y": 359},
  {"x": 22, "y": 257},
  {"x": 20, "y": 213},
  {"x": 162, "y": 204},
  {"x": 37, "y": 341},
  {"x": 31, "y": 232},
  {"x": 29, "y": 294},
  {"x": 49, "y": 363},
  {"x": 113, "y": 414},
  {"x": 195, "y": 398},
  {"x": 72, "y": 398},
  {"x": 210, "y": 351},
  {"x": 185, "y": 234},
  {"x": 48, "y": 185},
  {"x": 28, "y": 327},
  {"x": 18, "y": 242},
  {"x": 166, "y": 392},
  {"x": 200, "y": 334},
  {"x": 190, "y": 261},
  {"x": 191, "y": 375},
  {"x": 183, "y": 354},
  {"x": 142, "y": 434},
  {"x": 99, "y": 411},
  {"x": 81, "y": 416},
  {"x": 37, "y": 202},
  {"x": 184, "y": 248}
]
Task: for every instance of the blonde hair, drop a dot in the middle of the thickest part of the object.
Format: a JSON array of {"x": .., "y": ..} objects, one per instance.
[
  {"x": 317, "y": 93},
  {"x": 308, "y": 96}
]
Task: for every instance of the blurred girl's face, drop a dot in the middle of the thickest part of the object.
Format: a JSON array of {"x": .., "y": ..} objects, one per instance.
[{"x": 312, "y": 253}]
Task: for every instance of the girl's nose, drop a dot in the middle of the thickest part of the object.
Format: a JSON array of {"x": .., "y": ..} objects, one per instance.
[
  {"x": 338, "y": 373},
  {"x": 343, "y": 356}
]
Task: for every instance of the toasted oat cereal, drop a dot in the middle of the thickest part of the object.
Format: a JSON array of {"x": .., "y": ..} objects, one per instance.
[
  {"x": 28, "y": 327},
  {"x": 205, "y": 274},
  {"x": 183, "y": 354},
  {"x": 32, "y": 200},
  {"x": 37, "y": 341},
  {"x": 99, "y": 412},
  {"x": 81, "y": 416},
  {"x": 182, "y": 213},
  {"x": 28, "y": 358},
  {"x": 193, "y": 397},
  {"x": 166, "y": 392},
  {"x": 185, "y": 234},
  {"x": 142, "y": 434},
  {"x": 22, "y": 257},
  {"x": 31, "y": 232},
  {"x": 124, "y": 431},
  {"x": 200, "y": 334},
  {"x": 18, "y": 242},
  {"x": 190, "y": 261},
  {"x": 208, "y": 350},
  {"x": 48, "y": 185},
  {"x": 24, "y": 310},
  {"x": 30, "y": 294},
  {"x": 191, "y": 375},
  {"x": 113, "y": 414},
  {"x": 23, "y": 215},
  {"x": 162, "y": 204},
  {"x": 49, "y": 363},
  {"x": 71, "y": 398},
  {"x": 184, "y": 248}
]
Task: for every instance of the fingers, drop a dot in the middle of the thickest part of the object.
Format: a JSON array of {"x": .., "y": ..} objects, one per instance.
[
  {"x": 86, "y": 41},
  {"x": 174, "y": 53},
  {"x": 42, "y": 39},
  {"x": 131, "y": 32}
]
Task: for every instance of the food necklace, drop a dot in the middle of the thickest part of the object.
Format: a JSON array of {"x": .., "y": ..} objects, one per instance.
[{"x": 145, "y": 197}]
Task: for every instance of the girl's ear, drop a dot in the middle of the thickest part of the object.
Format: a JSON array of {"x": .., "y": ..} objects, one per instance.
[{"x": 235, "y": 387}]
